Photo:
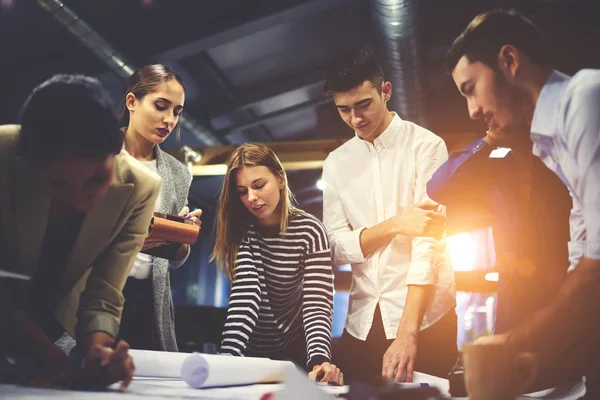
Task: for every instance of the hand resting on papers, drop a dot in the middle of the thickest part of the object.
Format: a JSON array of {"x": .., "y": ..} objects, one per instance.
[
  {"x": 104, "y": 365},
  {"x": 326, "y": 372}
]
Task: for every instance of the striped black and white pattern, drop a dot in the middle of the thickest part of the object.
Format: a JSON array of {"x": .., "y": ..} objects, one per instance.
[{"x": 282, "y": 288}]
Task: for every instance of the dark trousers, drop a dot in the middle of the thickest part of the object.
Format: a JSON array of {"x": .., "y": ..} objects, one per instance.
[
  {"x": 137, "y": 320},
  {"x": 362, "y": 360}
]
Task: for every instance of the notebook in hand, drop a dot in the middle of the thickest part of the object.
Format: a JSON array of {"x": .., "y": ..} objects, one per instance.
[{"x": 166, "y": 233}]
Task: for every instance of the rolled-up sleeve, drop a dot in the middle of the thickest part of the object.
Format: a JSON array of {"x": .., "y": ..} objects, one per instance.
[
  {"x": 583, "y": 140},
  {"x": 102, "y": 300},
  {"x": 424, "y": 255},
  {"x": 576, "y": 244},
  {"x": 344, "y": 241}
]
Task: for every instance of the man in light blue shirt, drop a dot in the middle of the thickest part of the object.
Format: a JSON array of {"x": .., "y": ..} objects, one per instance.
[{"x": 501, "y": 66}]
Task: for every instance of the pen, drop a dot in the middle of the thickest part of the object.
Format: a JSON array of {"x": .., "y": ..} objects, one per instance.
[{"x": 188, "y": 214}]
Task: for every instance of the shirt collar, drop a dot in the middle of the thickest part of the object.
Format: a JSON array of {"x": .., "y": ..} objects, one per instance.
[
  {"x": 543, "y": 122},
  {"x": 387, "y": 139}
]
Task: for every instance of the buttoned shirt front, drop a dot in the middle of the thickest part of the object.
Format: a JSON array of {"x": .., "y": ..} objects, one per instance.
[
  {"x": 565, "y": 131},
  {"x": 366, "y": 184}
]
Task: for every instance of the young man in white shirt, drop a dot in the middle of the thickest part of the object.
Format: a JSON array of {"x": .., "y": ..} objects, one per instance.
[
  {"x": 501, "y": 66},
  {"x": 379, "y": 219}
]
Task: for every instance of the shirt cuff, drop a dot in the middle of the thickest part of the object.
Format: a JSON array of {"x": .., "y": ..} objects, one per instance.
[
  {"x": 576, "y": 251},
  {"x": 179, "y": 263},
  {"x": 96, "y": 323},
  {"x": 352, "y": 247},
  {"x": 317, "y": 359},
  {"x": 420, "y": 273}
]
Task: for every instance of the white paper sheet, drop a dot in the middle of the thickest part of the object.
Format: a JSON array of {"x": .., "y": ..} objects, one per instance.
[
  {"x": 208, "y": 370},
  {"x": 296, "y": 386},
  {"x": 178, "y": 389}
]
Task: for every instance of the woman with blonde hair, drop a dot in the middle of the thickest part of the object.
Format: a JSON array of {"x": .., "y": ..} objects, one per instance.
[{"x": 277, "y": 257}]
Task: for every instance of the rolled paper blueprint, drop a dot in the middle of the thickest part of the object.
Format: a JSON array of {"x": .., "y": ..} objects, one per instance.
[
  {"x": 168, "y": 228},
  {"x": 157, "y": 364},
  {"x": 209, "y": 370}
]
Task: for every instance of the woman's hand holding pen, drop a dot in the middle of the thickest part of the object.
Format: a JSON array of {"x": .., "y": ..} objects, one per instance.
[{"x": 193, "y": 216}]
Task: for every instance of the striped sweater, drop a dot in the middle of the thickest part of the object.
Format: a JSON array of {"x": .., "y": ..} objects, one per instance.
[{"x": 282, "y": 289}]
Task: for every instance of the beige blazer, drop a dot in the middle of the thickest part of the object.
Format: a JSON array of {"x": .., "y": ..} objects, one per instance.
[{"x": 110, "y": 237}]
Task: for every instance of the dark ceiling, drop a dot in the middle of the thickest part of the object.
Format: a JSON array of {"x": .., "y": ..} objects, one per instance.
[{"x": 253, "y": 70}]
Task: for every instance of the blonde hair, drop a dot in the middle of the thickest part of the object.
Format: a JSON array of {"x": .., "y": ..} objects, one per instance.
[{"x": 233, "y": 218}]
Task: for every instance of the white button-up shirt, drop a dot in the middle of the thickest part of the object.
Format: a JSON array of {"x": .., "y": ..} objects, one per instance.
[
  {"x": 365, "y": 184},
  {"x": 566, "y": 136}
]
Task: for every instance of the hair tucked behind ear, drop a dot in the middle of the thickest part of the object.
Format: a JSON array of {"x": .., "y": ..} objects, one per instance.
[
  {"x": 146, "y": 80},
  {"x": 232, "y": 217}
]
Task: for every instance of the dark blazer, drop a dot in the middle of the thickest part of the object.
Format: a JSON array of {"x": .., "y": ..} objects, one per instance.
[
  {"x": 176, "y": 181},
  {"x": 111, "y": 235}
]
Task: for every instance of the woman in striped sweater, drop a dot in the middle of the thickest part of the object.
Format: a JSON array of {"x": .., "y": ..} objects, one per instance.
[{"x": 278, "y": 259}]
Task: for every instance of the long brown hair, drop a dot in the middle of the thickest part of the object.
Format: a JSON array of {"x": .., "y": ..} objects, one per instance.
[
  {"x": 233, "y": 218},
  {"x": 145, "y": 80}
]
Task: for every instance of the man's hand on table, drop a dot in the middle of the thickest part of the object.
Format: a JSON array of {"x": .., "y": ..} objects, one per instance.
[
  {"x": 103, "y": 365},
  {"x": 399, "y": 359}
]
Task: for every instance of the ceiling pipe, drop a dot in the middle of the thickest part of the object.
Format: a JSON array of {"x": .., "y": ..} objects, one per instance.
[
  {"x": 397, "y": 25},
  {"x": 115, "y": 61}
]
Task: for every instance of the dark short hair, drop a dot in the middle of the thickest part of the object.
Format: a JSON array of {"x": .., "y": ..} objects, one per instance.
[
  {"x": 352, "y": 69},
  {"x": 68, "y": 115},
  {"x": 483, "y": 38}
]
